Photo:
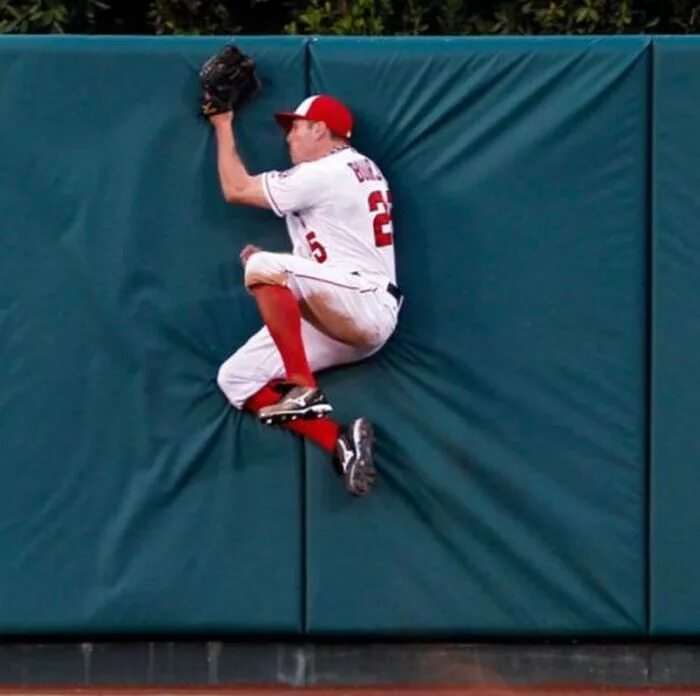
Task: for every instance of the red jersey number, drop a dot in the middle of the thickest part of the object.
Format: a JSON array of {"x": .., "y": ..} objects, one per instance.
[
  {"x": 380, "y": 203},
  {"x": 318, "y": 251}
]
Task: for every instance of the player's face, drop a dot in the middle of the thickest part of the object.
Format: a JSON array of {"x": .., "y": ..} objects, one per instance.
[{"x": 302, "y": 140}]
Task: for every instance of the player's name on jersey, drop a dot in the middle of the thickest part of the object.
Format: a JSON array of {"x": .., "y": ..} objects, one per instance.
[{"x": 365, "y": 170}]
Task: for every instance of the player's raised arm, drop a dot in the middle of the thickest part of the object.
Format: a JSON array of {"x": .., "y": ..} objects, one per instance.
[
  {"x": 237, "y": 185},
  {"x": 228, "y": 80}
]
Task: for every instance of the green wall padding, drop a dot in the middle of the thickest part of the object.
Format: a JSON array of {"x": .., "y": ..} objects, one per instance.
[
  {"x": 132, "y": 498},
  {"x": 675, "y": 475},
  {"x": 510, "y": 405}
]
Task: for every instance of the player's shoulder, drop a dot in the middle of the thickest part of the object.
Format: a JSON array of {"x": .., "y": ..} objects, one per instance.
[
  {"x": 301, "y": 171},
  {"x": 362, "y": 167},
  {"x": 319, "y": 171}
]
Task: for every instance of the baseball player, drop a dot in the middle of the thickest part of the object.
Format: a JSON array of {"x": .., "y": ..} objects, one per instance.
[{"x": 334, "y": 299}]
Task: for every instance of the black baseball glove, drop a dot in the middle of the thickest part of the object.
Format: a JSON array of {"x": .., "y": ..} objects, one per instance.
[{"x": 228, "y": 79}]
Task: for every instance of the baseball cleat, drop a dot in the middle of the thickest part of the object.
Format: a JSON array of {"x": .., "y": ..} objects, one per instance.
[
  {"x": 353, "y": 457},
  {"x": 298, "y": 402}
]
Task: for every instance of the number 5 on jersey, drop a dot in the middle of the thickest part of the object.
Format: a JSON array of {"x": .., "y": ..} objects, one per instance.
[
  {"x": 380, "y": 203},
  {"x": 318, "y": 251}
]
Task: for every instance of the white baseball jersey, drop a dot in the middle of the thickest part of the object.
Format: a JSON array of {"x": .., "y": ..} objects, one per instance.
[{"x": 338, "y": 211}]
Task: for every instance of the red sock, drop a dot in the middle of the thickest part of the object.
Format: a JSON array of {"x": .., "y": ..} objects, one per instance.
[
  {"x": 265, "y": 397},
  {"x": 280, "y": 312},
  {"x": 323, "y": 431}
]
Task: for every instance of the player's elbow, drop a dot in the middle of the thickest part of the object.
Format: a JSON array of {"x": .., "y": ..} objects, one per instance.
[
  {"x": 248, "y": 192},
  {"x": 233, "y": 194}
]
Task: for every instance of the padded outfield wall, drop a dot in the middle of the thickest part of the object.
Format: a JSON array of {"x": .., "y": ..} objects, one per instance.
[{"x": 512, "y": 405}]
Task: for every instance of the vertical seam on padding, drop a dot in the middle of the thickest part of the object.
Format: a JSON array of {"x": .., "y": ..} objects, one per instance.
[
  {"x": 304, "y": 487},
  {"x": 649, "y": 334}
]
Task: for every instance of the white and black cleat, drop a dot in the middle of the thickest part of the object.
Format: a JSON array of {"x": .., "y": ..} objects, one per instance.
[
  {"x": 298, "y": 402},
  {"x": 354, "y": 458}
]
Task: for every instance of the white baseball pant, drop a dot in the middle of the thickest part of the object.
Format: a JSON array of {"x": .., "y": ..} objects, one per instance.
[{"x": 346, "y": 317}]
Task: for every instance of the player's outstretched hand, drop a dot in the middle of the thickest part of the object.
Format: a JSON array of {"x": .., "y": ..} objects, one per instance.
[
  {"x": 224, "y": 118},
  {"x": 247, "y": 252}
]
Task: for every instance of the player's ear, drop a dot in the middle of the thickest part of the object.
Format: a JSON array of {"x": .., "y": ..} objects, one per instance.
[{"x": 319, "y": 129}]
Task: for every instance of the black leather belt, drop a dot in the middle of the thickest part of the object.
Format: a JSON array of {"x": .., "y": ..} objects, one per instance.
[
  {"x": 392, "y": 289},
  {"x": 394, "y": 292}
]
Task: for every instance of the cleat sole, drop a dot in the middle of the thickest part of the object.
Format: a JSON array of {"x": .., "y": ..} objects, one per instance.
[
  {"x": 362, "y": 476},
  {"x": 287, "y": 417}
]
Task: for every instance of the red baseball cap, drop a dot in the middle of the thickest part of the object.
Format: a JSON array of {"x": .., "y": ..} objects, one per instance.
[{"x": 320, "y": 107}]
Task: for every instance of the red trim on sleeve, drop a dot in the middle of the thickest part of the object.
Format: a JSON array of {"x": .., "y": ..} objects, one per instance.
[{"x": 269, "y": 196}]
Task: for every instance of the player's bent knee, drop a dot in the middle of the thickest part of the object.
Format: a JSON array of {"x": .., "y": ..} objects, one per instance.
[
  {"x": 264, "y": 268},
  {"x": 232, "y": 386}
]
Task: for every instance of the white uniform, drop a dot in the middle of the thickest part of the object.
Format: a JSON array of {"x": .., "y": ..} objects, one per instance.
[{"x": 338, "y": 214}]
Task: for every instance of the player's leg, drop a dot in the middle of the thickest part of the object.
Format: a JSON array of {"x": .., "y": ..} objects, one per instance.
[
  {"x": 349, "y": 310},
  {"x": 342, "y": 306},
  {"x": 251, "y": 379},
  {"x": 323, "y": 431},
  {"x": 351, "y": 307},
  {"x": 257, "y": 364},
  {"x": 280, "y": 312},
  {"x": 351, "y": 446},
  {"x": 266, "y": 280}
]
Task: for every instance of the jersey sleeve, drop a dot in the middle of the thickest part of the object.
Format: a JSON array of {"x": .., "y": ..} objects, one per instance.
[{"x": 295, "y": 189}]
